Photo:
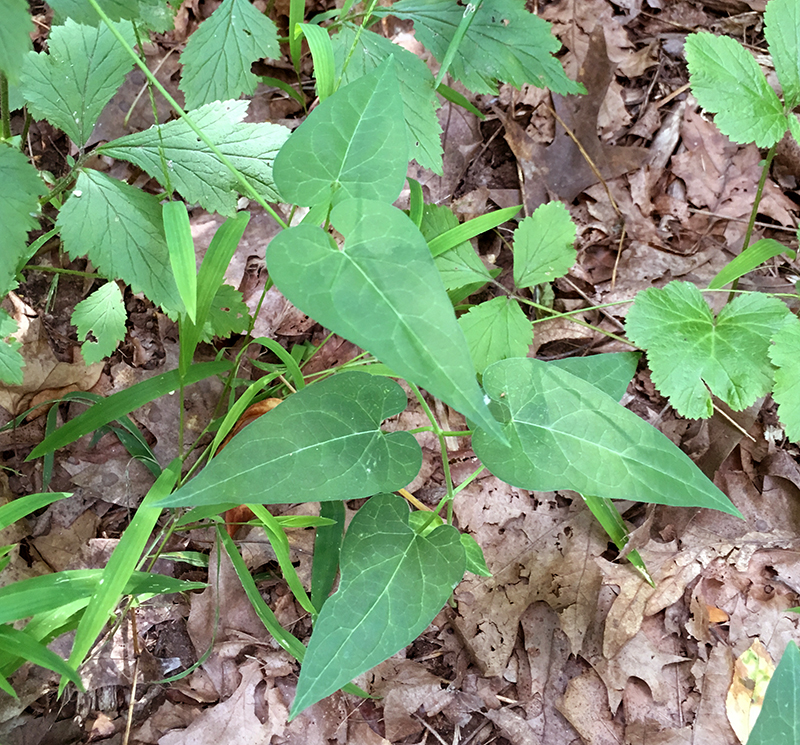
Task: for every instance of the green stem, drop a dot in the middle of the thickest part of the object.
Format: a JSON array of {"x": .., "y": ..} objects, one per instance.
[
  {"x": 59, "y": 270},
  {"x": 5, "y": 121},
  {"x": 466, "y": 20},
  {"x": 246, "y": 185},
  {"x": 350, "y": 53},
  {"x": 754, "y": 212}
]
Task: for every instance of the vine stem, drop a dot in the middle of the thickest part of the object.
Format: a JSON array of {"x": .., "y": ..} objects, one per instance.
[
  {"x": 246, "y": 185},
  {"x": 5, "y": 121}
]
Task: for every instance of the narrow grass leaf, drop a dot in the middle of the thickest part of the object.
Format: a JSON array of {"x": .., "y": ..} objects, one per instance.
[
  {"x": 319, "y": 43},
  {"x": 178, "y": 233},
  {"x": 321, "y": 443},
  {"x": 19, "y": 644},
  {"x": 752, "y": 257},
  {"x": 327, "y": 545},
  {"x": 297, "y": 11},
  {"x": 24, "y": 506},
  {"x": 292, "y": 368},
  {"x": 383, "y": 293},
  {"x": 564, "y": 433},
  {"x": 471, "y": 229},
  {"x": 352, "y": 145},
  {"x": 380, "y": 606},
  {"x": 124, "y": 402}
]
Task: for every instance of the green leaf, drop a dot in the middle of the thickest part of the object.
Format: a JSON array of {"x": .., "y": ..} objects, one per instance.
[
  {"x": 781, "y": 24},
  {"x": 785, "y": 355},
  {"x": 727, "y": 81},
  {"x": 747, "y": 260},
  {"x": 321, "y": 48},
  {"x": 120, "y": 229},
  {"x": 228, "y": 314},
  {"x": 544, "y": 245},
  {"x": 352, "y": 145},
  {"x": 20, "y": 188},
  {"x": 11, "y": 362},
  {"x": 504, "y": 43},
  {"x": 459, "y": 266},
  {"x": 690, "y": 353},
  {"x": 323, "y": 442},
  {"x": 24, "y": 506},
  {"x": 100, "y": 320},
  {"x": 566, "y": 434},
  {"x": 180, "y": 243},
  {"x": 218, "y": 56},
  {"x": 496, "y": 330},
  {"x": 19, "y": 644},
  {"x": 82, "y": 12},
  {"x": 380, "y": 606},
  {"x": 470, "y": 229},
  {"x": 71, "y": 85},
  {"x": 383, "y": 293},
  {"x": 15, "y": 39},
  {"x": 610, "y": 372},
  {"x": 194, "y": 171},
  {"x": 124, "y": 402},
  {"x": 476, "y": 562},
  {"x": 779, "y": 720},
  {"x": 423, "y": 130}
]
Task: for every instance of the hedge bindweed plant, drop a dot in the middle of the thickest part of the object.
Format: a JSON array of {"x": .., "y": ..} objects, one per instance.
[{"x": 383, "y": 278}]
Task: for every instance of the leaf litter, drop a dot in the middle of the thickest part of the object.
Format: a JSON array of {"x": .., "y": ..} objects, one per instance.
[{"x": 562, "y": 643}]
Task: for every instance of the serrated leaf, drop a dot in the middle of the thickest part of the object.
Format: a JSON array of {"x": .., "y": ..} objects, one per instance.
[
  {"x": 611, "y": 372},
  {"x": 20, "y": 188},
  {"x": 227, "y": 315},
  {"x": 100, "y": 320},
  {"x": 779, "y": 720},
  {"x": 544, "y": 245},
  {"x": 566, "y": 434},
  {"x": 459, "y": 266},
  {"x": 71, "y": 85},
  {"x": 781, "y": 24},
  {"x": 785, "y": 355},
  {"x": 416, "y": 88},
  {"x": 503, "y": 43},
  {"x": 82, "y": 12},
  {"x": 380, "y": 606},
  {"x": 383, "y": 293},
  {"x": 323, "y": 442},
  {"x": 353, "y": 145},
  {"x": 194, "y": 171},
  {"x": 11, "y": 362},
  {"x": 496, "y": 330},
  {"x": 15, "y": 39},
  {"x": 690, "y": 353},
  {"x": 727, "y": 81},
  {"x": 218, "y": 56},
  {"x": 120, "y": 229}
]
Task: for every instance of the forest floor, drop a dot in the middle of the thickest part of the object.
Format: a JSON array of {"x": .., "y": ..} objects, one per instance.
[{"x": 564, "y": 643}]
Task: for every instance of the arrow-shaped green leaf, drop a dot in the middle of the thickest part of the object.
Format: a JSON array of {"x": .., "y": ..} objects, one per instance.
[
  {"x": 381, "y": 291},
  {"x": 381, "y": 604},
  {"x": 324, "y": 442},
  {"x": 566, "y": 434}
]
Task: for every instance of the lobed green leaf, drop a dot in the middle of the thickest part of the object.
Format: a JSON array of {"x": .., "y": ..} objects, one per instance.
[
  {"x": 218, "y": 56},
  {"x": 781, "y": 24},
  {"x": 15, "y": 38},
  {"x": 564, "y": 433},
  {"x": 380, "y": 606},
  {"x": 693, "y": 355},
  {"x": 71, "y": 85},
  {"x": 130, "y": 10},
  {"x": 785, "y": 355},
  {"x": 544, "y": 245},
  {"x": 496, "y": 330},
  {"x": 194, "y": 171}
]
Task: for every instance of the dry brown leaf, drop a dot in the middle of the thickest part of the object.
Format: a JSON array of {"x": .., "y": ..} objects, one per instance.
[
  {"x": 625, "y": 617},
  {"x": 585, "y": 705}
]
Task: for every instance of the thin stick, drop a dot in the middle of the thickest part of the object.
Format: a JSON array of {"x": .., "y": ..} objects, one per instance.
[
  {"x": 733, "y": 422},
  {"x": 135, "y": 632}
]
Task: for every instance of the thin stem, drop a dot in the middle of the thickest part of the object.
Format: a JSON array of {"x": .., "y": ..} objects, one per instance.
[
  {"x": 5, "y": 122},
  {"x": 751, "y": 223},
  {"x": 246, "y": 185},
  {"x": 59, "y": 270},
  {"x": 352, "y": 50}
]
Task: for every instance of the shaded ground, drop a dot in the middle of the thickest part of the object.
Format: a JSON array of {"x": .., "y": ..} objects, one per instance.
[{"x": 563, "y": 644}]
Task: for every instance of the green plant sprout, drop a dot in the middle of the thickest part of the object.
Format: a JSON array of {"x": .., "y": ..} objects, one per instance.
[{"x": 388, "y": 284}]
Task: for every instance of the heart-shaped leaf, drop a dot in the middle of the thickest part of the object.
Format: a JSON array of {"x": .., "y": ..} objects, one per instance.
[
  {"x": 382, "y": 292},
  {"x": 566, "y": 434},
  {"x": 380, "y": 606},
  {"x": 353, "y": 144},
  {"x": 323, "y": 442}
]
